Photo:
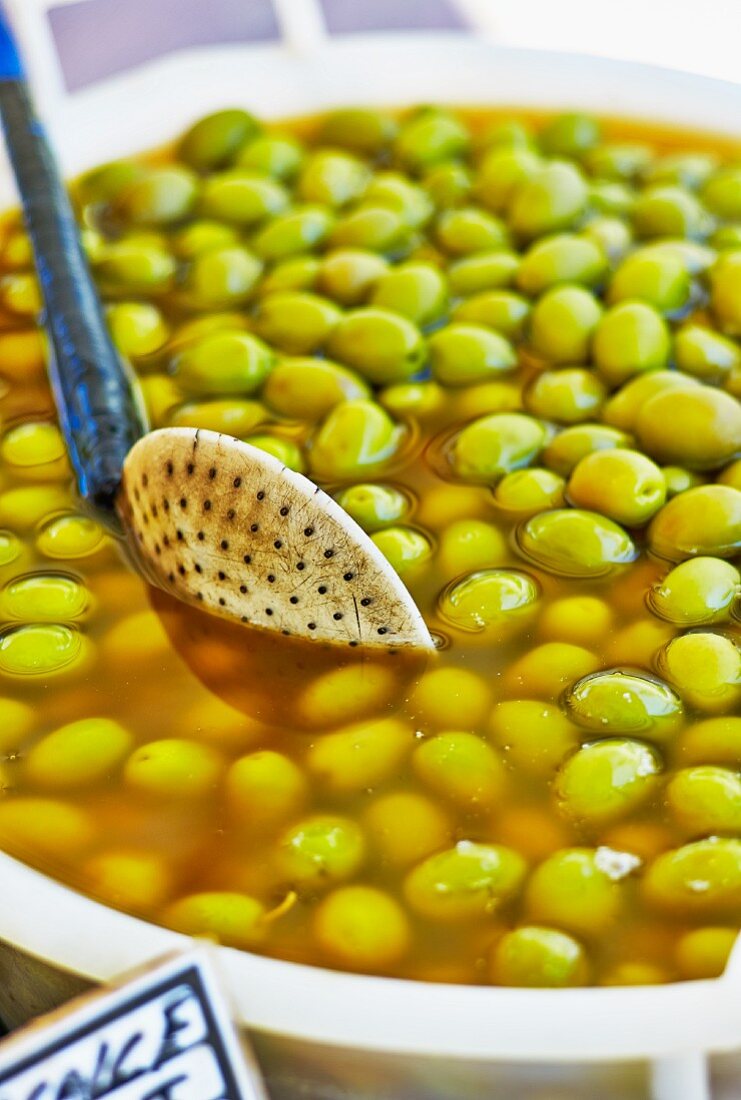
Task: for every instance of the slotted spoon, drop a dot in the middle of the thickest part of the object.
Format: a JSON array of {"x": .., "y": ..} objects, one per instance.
[{"x": 212, "y": 520}]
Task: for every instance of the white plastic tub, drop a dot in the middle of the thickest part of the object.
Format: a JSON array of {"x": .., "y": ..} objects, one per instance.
[{"x": 320, "y": 1034}]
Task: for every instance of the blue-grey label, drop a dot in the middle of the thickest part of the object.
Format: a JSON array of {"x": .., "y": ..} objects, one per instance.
[{"x": 164, "y": 1036}]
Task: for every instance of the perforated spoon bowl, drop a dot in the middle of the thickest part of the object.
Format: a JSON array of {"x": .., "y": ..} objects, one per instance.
[{"x": 212, "y": 520}]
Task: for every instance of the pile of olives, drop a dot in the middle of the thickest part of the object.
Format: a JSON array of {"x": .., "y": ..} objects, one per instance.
[{"x": 511, "y": 352}]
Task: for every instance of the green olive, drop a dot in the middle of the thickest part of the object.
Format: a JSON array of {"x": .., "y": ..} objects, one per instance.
[
  {"x": 397, "y": 193},
  {"x": 416, "y": 290},
  {"x": 606, "y": 781},
  {"x": 356, "y": 438},
  {"x": 379, "y": 344},
  {"x": 362, "y": 928},
  {"x": 705, "y": 667},
  {"x": 564, "y": 258},
  {"x": 221, "y": 915},
  {"x": 296, "y": 321},
  {"x": 225, "y": 362},
  {"x": 429, "y": 136},
  {"x": 361, "y": 129},
  {"x": 229, "y": 416},
  {"x": 623, "y": 409},
  {"x": 221, "y": 277},
  {"x": 567, "y": 396},
  {"x": 698, "y": 427},
  {"x": 374, "y": 506},
  {"x": 579, "y": 890},
  {"x": 553, "y": 198},
  {"x": 725, "y": 279},
  {"x": 418, "y": 400},
  {"x": 705, "y": 520},
  {"x": 501, "y": 310},
  {"x": 495, "y": 445},
  {"x": 359, "y": 757},
  {"x": 464, "y": 882},
  {"x": 611, "y": 197},
  {"x": 679, "y": 480},
  {"x": 159, "y": 197},
  {"x": 174, "y": 767},
  {"x": 242, "y": 197},
  {"x": 43, "y": 649},
  {"x": 570, "y": 135},
  {"x": 526, "y": 492},
  {"x": 572, "y": 444},
  {"x": 45, "y": 597},
  {"x": 630, "y": 338},
  {"x": 135, "y": 267},
  {"x": 700, "y": 879},
  {"x": 502, "y": 172},
  {"x": 320, "y": 850},
  {"x": 138, "y": 328},
  {"x": 306, "y": 389},
  {"x": 712, "y": 741},
  {"x": 668, "y": 210},
  {"x": 349, "y": 274},
  {"x": 706, "y": 800},
  {"x": 622, "y": 701},
  {"x": 295, "y": 273},
  {"x": 574, "y": 543},
  {"x": 277, "y": 155},
  {"x": 376, "y": 228},
  {"x": 404, "y": 547},
  {"x": 657, "y": 277},
  {"x": 446, "y": 697},
  {"x": 621, "y": 484},
  {"x": 533, "y": 737},
  {"x": 562, "y": 324},
  {"x": 705, "y": 354},
  {"x": 698, "y": 591},
  {"x": 448, "y": 184},
  {"x": 214, "y": 140},
  {"x": 722, "y": 193},
  {"x": 483, "y": 271},
  {"x": 511, "y": 133},
  {"x": 536, "y": 957},
  {"x": 610, "y": 234},
  {"x": 466, "y": 230},
  {"x": 103, "y": 184},
  {"x": 470, "y": 544},
  {"x": 287, "y": 451},
  {"x": 491, "y": 602},
  {"x": 80, "y": 753},
  {"x": 463, "y": 354},
  {"x": 704, "y": 952},
  {"x": 299, "y": 230},
  {"x": 333, "y": 178}
]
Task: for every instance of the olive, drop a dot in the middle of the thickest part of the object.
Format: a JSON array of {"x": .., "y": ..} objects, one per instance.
[
  {"x": 625, "y": 701},
  {"x": 698, "y": 591},
  {"x": 497, "y": 444},
  {"x": 606, "y": 780},
  {"x": 533, "y": 956},
  {"x": 465, "y": 882},
  {"x": 621, "y": 484},
  {"x": 574, "y": 543},
  {"x": 703, "y": 521}
]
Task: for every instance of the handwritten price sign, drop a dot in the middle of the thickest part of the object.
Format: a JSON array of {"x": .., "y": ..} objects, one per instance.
[{"x": 163, "y": 1035}]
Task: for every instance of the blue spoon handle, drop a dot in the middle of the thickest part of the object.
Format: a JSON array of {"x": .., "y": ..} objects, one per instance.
[{"x": 99, "y": 416}]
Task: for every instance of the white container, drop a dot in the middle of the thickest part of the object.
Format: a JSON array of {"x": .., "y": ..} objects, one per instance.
[{"x": 324, "y": 1035}]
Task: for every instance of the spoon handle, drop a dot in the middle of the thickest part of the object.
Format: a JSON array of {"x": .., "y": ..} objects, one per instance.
[{"x": 99, "y": 415}]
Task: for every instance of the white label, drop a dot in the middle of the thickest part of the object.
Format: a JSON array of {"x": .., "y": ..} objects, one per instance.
[{"x": 165, "y": 1035}]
